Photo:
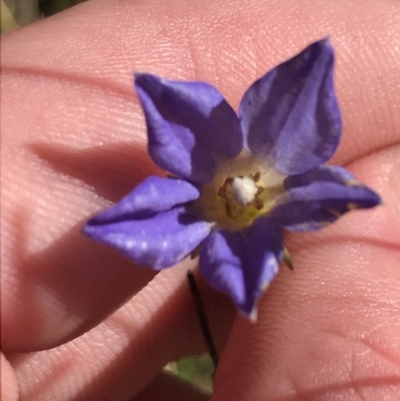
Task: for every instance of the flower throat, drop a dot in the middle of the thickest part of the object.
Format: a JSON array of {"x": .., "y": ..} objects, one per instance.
[{"x": 242, "y": 190}]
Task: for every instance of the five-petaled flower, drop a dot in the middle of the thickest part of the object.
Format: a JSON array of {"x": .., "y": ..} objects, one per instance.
[{"x": 236, "y": 180}]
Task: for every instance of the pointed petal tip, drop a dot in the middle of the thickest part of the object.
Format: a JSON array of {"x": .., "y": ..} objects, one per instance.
[
  {"x": 253, "y": 315},
  {"x": 137, "y": 76},
  {"x": 249, "y": 314},
  {"x": 297, "y": 102},
  {"x": 89, "y": 229},
  {"x": 372, "y": 199},
  {"x": 142, "y": 79},
  {"x": 95, "y": 222},
  {"x": 323, "y": 44},
  {"x": 84, "y": 228},
  {"x": 157, "y": 242},
  {"x": 379, "y": 201},
  {"x": 92, "y": 227},
  {"x": 321, "y": 196},
  {"x": 189, "y": 124},
  {"x": 323, "y": 48},
  {"x": 145, "y": 82}
]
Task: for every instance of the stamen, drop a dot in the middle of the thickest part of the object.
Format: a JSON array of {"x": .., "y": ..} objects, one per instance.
[
  {"x": 228, "y": 209},
  {"x": 258, "y": 203},
  {"x": 257, "y": 176},
  {"x": 244, "y": 190},
  {"x": 241, "y": 192}
]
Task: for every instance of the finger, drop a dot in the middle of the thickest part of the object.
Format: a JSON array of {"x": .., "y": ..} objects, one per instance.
[
  {"x": 127, "y": 350},
  {"x": 122, "y": 355},
  {"x": 330, "y": 329},
  {"x": 8, "y": 382},
  {"x": 57, "y": 284},
  {"x": 193, "y": 42}
]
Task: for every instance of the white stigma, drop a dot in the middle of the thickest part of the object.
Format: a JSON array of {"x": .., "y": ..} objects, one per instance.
[{"x": 244, "y": 190}]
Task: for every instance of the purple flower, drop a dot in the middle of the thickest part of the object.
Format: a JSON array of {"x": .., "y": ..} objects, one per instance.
[{"x": 237, "y": 180}]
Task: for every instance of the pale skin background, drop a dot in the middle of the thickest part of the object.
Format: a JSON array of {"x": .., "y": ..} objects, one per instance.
[{"x": 73, "y": 142}]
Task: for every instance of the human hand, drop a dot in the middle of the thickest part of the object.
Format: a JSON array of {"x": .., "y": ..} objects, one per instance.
[{"x": 73, "y": 141}]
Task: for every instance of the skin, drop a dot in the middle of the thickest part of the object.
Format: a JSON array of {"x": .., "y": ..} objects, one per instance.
[{"x": 79, "y": 321}]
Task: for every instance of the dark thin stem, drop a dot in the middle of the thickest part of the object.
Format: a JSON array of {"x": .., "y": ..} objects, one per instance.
[{"x": 201, "y": 313}]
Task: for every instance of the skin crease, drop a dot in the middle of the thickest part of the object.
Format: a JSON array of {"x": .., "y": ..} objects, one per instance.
[{"x": 73, "y": 142}]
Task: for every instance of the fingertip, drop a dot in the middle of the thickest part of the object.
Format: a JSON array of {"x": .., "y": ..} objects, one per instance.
[{"x": 9, "y": 390}]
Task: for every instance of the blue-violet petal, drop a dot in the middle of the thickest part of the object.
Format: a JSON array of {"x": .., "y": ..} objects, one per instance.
[
  {"x": 190, "y": 126},
  {"x": 153, "y": 195},
  {"x": 157, "y": 242},
  {"x": 242, "y": 264},
  {"x": 291, "y": 113},
  {"x": 320, "y": 196}
]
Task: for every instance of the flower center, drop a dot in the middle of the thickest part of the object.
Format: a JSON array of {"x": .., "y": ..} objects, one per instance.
[{"x": 242, "y": 190}]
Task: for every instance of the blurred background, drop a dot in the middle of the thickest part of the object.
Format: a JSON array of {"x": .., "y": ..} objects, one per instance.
[{"x": 17, "y": 13}]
